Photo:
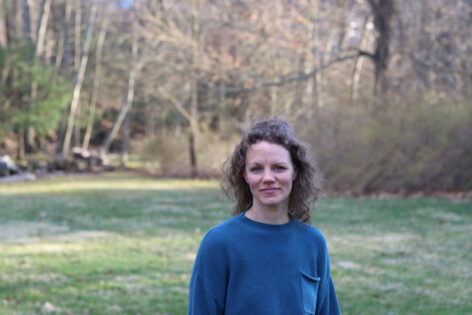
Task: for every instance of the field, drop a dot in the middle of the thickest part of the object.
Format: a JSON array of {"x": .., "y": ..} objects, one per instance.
[{"x": 124, "y": 244}]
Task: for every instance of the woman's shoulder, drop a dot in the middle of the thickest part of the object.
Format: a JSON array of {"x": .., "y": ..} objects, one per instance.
[
  {"x": 312, "y": 233},
  {"x": 215, "y": 247},
  {"x": 223, "y": 232}
]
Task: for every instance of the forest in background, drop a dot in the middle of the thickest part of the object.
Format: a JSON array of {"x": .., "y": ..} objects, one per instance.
[{"x": 378, "y": 88}]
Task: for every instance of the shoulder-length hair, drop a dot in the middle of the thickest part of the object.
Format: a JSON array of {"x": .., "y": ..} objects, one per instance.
[{"x": 306, "y": 187}]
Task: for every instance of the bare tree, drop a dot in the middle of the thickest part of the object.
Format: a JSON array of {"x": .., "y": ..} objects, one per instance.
[
  {"x": 39, "y": 47},
  {"x": 3, "y": 25},
  {"x": 42, "y": 26},
  {"x": 97, "y": 77},
  {"x": 383, "y": 11},
  {"x": 136, "y": 64},
  {"x": 359, "y": 61},
  {"x": 79, "y": 79}
]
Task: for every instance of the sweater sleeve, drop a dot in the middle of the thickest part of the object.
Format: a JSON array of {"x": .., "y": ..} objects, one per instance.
[
  {"x": 208, "y": 284},
  {"x": 327, "y": 302}
]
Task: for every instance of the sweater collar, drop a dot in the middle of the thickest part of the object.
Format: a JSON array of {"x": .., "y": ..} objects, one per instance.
[{"x": 265, "y": 226}]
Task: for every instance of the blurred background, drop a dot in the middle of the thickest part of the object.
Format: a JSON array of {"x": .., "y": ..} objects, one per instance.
[{"x": 379, "y": 88}]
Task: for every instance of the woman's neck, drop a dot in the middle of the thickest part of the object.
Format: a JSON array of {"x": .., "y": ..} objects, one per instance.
[{"x": 268, "y": 215}]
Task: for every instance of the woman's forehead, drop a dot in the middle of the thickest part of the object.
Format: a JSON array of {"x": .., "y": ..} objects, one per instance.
[{"x": 264, "y": 150}]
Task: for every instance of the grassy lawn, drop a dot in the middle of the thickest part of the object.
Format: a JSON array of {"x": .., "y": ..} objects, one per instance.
[{"x": 123, "y": 244}]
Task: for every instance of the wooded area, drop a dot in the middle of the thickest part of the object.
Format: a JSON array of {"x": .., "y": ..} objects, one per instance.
[{"x": 379, "y": 88}]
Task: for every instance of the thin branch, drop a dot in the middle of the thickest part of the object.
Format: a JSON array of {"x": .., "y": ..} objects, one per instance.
[
  {"x": 297, "y": 78},
  {"x": 177, "y": 104},
  {"x": 367, "y": 54}
]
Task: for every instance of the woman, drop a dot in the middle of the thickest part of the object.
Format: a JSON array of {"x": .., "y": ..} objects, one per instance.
[{"x": 267, "y": 259}]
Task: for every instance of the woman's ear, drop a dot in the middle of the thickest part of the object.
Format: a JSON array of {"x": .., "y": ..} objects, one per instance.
[{"x": 295, "y": 172}]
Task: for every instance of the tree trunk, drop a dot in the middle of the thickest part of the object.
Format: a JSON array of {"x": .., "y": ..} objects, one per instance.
[
  {"x": 26, "y": 21},
  {"x": 34, "y": 19},
  {"x": 125, "y": 140},
  {"x": 77, "y": 31},
  {"x": 28, "y": 132},
  {"x": 151, "y": 115},
  {"x": 79, "y": 79},
  {"x": 192, "y": 155},
  {"x": 124, "y": 110},
  {"x": 16, "y": 28},
  {"x": 30, "y": 143},
  {"x": 77, "y": 57},
  {"x": 63, "y": 52},
  {"x": 194, "y": 134},
  {"x": 63, "y": 59},
  {"x": 193, "y": 138},
  {"x": 383, "y": 11},
  {"x": 97, "y": 79},
  {"x": 135, "y": 68},
  {"x": 3, "y": 29},
  {"x": 67, "y": 60},
  {"x": 76, "y": 130},
  {"x": 358, "y": 63},
  {"x": 21, "y": 145},
  {"x": 312, "y": 94},
  {"x": 43, "y": 24},
  {"x": 127, "y": 118}
]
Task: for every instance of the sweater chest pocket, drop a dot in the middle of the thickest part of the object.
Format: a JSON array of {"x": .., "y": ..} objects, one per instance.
[{"x": 309, "y": 292}]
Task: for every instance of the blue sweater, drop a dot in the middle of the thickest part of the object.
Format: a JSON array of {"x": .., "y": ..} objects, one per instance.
[{"x": 251, "y": 268}]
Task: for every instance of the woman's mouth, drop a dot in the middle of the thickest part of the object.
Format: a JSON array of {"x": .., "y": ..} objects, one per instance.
[{"x": 269, "y": 190}]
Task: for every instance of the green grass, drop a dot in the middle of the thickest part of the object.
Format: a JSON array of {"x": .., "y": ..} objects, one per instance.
[{"x": 123, "y": 244}]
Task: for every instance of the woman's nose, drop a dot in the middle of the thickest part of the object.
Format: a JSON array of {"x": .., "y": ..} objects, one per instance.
[{"x": 268, "y": 176}]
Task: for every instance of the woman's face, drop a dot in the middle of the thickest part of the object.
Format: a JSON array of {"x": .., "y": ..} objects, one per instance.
[{"x": 269, "y": 173}]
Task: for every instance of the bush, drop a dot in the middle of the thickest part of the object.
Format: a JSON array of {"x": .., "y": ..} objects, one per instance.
[
  {"x": 408, "y": 149},
  {"x": 168, "y": 153}
]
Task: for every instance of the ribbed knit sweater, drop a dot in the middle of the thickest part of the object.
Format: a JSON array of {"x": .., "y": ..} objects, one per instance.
[{"x": 251, "y": 268}]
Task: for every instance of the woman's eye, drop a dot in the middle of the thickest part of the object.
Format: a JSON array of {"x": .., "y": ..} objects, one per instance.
[
  {"x": 280, "y": 168},
  {"x": 256, "y": 169}
]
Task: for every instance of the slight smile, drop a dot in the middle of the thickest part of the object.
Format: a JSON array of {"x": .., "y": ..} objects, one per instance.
[{"x": 269, "y": 190}]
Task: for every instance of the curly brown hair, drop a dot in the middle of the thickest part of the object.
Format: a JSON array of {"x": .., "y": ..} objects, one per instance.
[{"x": 307, "y": 184}]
